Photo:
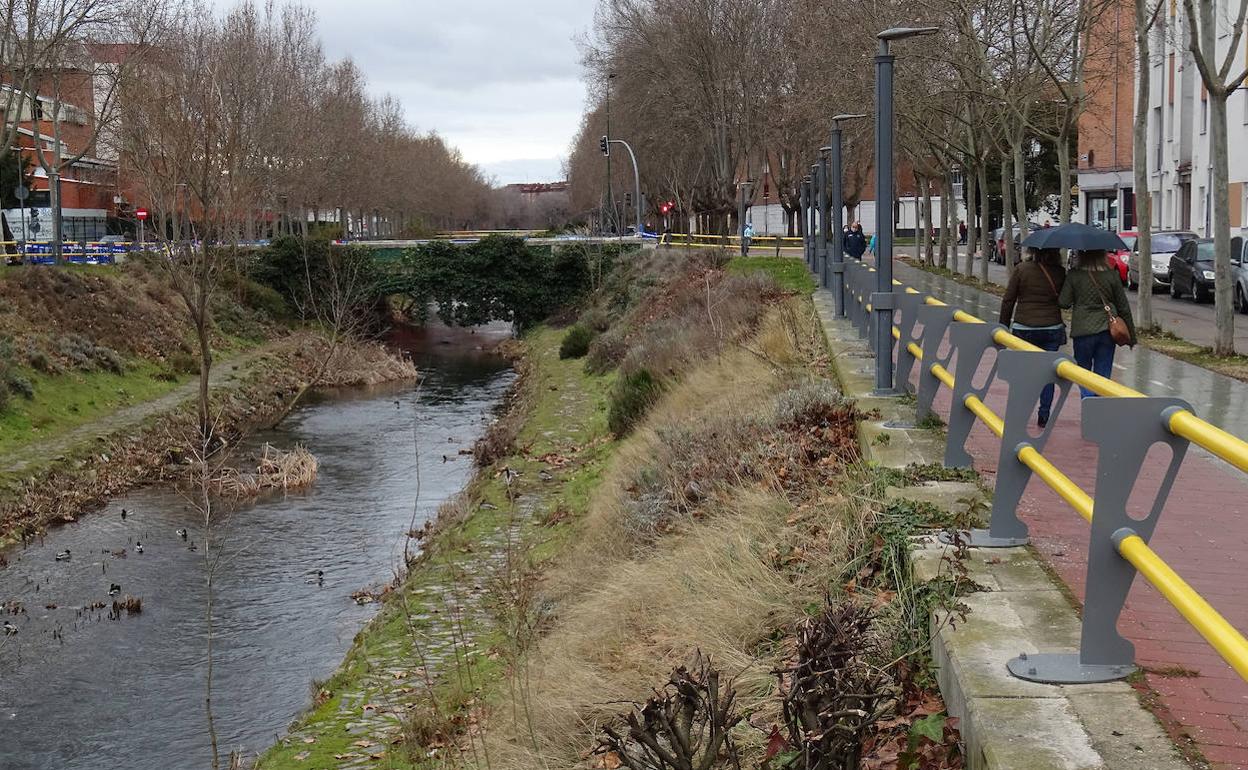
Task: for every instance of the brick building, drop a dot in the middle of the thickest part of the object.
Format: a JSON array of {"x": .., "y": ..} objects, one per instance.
[{"x": 1105, "y": 177}]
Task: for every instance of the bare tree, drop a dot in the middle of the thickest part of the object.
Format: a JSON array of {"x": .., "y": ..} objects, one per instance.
[
  {"x": 1221, "y": 78},
  {"x": 1146, "y": 12}
]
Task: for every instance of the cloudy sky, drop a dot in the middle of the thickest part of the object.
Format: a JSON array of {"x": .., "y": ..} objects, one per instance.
[{"x": 499, "y": 79}]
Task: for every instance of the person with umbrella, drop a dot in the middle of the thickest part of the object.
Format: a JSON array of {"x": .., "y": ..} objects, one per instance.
[
  {"x": 1100, "y": 312},
  {"x": 1030, "y": 311}
]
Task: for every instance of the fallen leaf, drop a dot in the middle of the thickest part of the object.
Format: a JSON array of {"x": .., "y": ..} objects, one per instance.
[
  {"x": 378, "y": 755},
  {"x": 309, "y": 740},
  {"x": 364, "y": 744},
  {"x": 301, "y": 756}
]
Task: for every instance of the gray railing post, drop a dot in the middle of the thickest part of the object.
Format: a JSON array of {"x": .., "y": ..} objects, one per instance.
[
  {"x": 1027, "y": 374},
  {"x": 970, "y": 341},
  {"x": 1124, "y": 429},
  {"x": 935, "y": 320},
  {"x": 907, "y": 318}
]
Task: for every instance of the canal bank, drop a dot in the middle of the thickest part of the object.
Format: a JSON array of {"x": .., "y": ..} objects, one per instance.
[{"x": 291, "y": 590}]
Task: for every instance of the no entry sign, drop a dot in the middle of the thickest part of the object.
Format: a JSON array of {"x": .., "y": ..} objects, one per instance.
[{"x": 141, "y": 214}]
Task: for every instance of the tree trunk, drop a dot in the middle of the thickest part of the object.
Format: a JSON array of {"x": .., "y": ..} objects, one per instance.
[
  {"x": 972, "y": 223},
  {"x": 1224, "y": 282},
  {"x": 1020, "y": 195},
  {"x": 950, "y": 206},
  {"x": 985, "y": 221},
  {"x": 1007, "y": 225},
  {"x": 942, "y": 246},
  {"x": 1063, "y": 176},
  {"x": 929, "y": 242},
  {"x": 1143, "y": 200},
  {"x": 54, "y": 201}
]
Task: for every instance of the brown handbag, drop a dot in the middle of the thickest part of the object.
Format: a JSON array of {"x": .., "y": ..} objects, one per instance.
[{"x": 1118, "y": 329}]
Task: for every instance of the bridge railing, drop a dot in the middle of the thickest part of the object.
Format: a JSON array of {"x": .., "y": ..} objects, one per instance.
[
  {"x": 943, "y": 347},
  {"x": 728, "y": 241}
]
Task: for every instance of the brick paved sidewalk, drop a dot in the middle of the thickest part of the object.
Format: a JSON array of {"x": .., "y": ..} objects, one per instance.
[{"x": 1202, "y": 534}]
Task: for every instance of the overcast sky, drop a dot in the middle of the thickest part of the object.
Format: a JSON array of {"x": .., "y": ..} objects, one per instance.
[{"x": 499, "y": 79}]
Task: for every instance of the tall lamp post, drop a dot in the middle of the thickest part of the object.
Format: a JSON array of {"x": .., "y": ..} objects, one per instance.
[
  {"x": 825, "y": 236},
  {"x": 810, "y": 220},
  {"x": 816, "y": 219},
  {"x": 746, "y": 189},
  {"x": 885, "y": 200},
  {"x": 804, "y": 212},
  {"x": 606, "y": 150},
  {"x": 838, "y": 208},
  {"x": 636, "y": 177}
]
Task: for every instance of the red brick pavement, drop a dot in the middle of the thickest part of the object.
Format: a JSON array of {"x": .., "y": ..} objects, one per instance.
[{"x": 1202, "y": 534}]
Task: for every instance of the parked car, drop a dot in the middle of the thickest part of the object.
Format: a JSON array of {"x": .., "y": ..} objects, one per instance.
[
  {"x": 1119, "y": 259},
  {"x": 1191, "y": 270},
  {"x": 1163, "y": 245},
  {"x": 1239, "y": 272},
  {"x": 998, "y": 237}
]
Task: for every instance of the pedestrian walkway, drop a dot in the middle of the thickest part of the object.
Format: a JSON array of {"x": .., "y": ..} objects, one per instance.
[{"x": 1203, "y": 532}]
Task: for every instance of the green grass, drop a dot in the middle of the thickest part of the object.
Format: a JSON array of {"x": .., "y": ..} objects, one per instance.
[
  {"x": 564, "y": 414},
  {"x": 66, "y": 401},
  {"x": 789, "y": 272}
]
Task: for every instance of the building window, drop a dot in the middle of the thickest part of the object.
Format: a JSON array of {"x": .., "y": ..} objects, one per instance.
[
  {"x": 1204, "y": 115},
  {"x": 1170, "y": 121},
  {"x": 1091, "y": 158},
  {"x": 1157, "y": 136}
]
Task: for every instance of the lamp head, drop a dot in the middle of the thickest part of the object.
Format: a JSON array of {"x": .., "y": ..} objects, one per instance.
[
  {"x": 839, "y": 118},
  {"x": 901, "y": 33}
]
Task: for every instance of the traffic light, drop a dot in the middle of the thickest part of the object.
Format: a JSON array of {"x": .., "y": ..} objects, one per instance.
[
  {"x": 664, "y": 208},
  {"x": 628, "y": 199},
  {"x": 602, "y": 144}
]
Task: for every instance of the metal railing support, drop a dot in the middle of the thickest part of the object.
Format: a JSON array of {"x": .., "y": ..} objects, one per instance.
[
  {"x": 908, "y": 306},
  {"x": 970, "y": 341},
  {"x": 1124, "y": 429},
  {"x": 1027, "y": 374},
  {"x": 935, "y": 320}
]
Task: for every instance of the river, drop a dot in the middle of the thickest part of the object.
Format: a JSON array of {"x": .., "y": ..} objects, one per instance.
[{"x": 79, "y": 690}]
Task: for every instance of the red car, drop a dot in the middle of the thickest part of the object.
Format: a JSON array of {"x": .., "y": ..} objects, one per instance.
[{"x": 1118, "y": 259}]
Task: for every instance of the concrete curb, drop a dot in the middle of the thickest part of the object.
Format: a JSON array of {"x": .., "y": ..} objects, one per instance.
[{"x": 1006, "y": 723}]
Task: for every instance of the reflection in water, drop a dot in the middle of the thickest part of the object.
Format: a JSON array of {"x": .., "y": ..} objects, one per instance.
[{"x": 80, "y": 690}]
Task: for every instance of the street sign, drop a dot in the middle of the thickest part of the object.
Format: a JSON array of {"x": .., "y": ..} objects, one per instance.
[
  {"x": 22, "y": 192},
  {"x": 140, "y": 214}
]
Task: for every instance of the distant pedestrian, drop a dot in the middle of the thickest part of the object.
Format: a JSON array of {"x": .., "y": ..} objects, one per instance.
[
  {"x": 962, "y": 232},
  {"x": 1030, "y": 310},
  {"x": 1097, "y": 301},
  {"x": 855, "y": 241},
  {"x": 747, "y": 237},
  {"x": 873, "y": 246}
]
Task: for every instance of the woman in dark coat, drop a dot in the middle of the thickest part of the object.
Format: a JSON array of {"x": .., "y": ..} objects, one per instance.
[{"x": 1030, "y": 310}]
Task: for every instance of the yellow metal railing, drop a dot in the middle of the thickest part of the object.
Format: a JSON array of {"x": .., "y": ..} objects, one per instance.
[{"x": 1229, "y": 643}]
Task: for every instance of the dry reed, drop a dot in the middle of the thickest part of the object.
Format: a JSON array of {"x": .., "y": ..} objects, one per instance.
[{"x": 275, "y": 469}]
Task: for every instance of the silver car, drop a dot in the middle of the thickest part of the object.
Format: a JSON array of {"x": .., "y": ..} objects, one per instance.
[
  {"x": 1239, "y": 272},
  {"x": 1164, "y": 245}
]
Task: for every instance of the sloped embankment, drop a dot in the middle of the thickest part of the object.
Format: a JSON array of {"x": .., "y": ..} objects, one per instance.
[{"x": 678, "y": 516}]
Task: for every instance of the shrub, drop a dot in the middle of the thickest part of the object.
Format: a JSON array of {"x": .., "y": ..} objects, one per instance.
[
  {"x": 40, "y": 361},
  {"x": 607, "y": 350},
  {"x": 20, "y": 385},
  {"x": 632, "y": 396},
  {"x": 576, "y": 342}
]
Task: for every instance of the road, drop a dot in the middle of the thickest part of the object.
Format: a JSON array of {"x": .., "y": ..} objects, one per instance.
[{"x": 1182, "y": 317}]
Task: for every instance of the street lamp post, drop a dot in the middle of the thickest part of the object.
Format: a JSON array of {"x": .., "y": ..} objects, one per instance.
[
  {"x": 636, "y": 178},
  {"x": 802, "y": 207},
  {"x": 825, "y": 234},
  {"x": 816, "y": 218},
  {"x": 745, "y": 188},
  {"x": 810, "y": 221},
  {"x": 615, "y": 218},
  {"x": 838, "y": 208},
  {"x": 885, "y": 199}
]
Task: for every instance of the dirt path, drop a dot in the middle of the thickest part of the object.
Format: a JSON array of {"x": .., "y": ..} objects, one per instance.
[{"x": 226, "y": 372}]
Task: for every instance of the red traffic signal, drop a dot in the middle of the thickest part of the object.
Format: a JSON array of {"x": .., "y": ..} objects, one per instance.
[{"x": 665, "y": 207}]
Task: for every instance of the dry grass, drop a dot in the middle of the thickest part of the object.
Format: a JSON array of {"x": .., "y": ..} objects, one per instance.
[
  {"x": 366, "y": 363},
  {"x": 747, "y": 554},
  {"x": 275, "y": 469}
]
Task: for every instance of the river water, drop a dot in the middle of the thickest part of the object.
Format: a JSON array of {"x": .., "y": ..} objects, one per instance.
[{"x": 81, "y": 690}]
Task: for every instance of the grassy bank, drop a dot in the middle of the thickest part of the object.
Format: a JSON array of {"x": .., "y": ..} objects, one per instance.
[{"x": 684, "y": 504}]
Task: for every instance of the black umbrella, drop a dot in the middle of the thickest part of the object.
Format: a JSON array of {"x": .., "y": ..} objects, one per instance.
[{"x": 1075, "y": 235}]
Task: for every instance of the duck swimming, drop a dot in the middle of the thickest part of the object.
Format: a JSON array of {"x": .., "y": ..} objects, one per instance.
[
  {"x": 138, "y": 547},
  {"x": 64, "y": 555},
  {"x": 182, "y": 533},
  {"x": 114, "y": 589},
  {"x": 123, "y": 514},
  {"x": 9, "y": 628}
]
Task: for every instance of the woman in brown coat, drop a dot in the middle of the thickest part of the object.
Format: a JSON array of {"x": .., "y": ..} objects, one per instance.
[{"x": 1029, "y": 310}]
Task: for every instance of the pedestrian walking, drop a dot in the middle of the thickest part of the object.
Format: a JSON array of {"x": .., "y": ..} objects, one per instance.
[
  {"x": 855, "y": 241},
  {"x": 1030, "y": 310},
  {"x": 872, "y": 246},
  {"x": 961, "y": 232},
  {"x": 1100, "y": 314},
  {"x": 747, "y": 237}
]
